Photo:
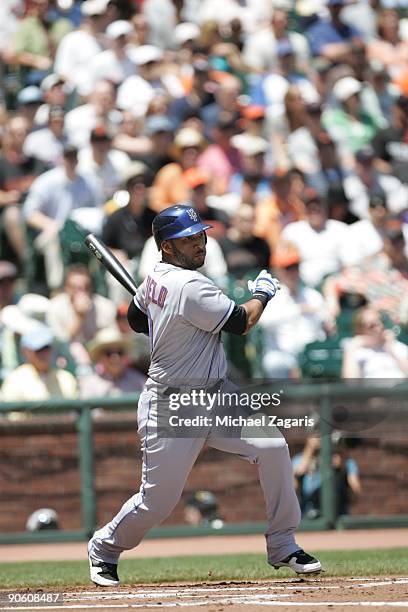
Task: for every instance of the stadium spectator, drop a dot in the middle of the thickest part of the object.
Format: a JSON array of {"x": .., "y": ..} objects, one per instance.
[
  {"x": 350, "y": 124},
  {"x": 51, "y": 200},
  {"x": 390, "y": 144},
  {"x": 114, "y": 64},
  {"x": 339, "y": 205},
  {"x": 389, "y": 47},
  {"x": 17, "y": 173},
  {"x": 225, "y": 101},
  {"x": 308, "y": 478},
  {"x": 374, "y": 351},
  {"x": 333, "y": 39},
  {"x": 35, "y": 40},
  {"x": 130, "y": 139},
  {"x": 37, "y": 379},
  {"x": 99, "y": 110},
  {"x": 260, "y": 49},
  {"x": 47, "y": 144},
  {"x": 126, "y": 230},
  {"x": 299, "y": 317},
  {"x": 169, "y": 186},
  {"x": 381, "y": 279},
  {"x": 221, "y": 159},
  {"x": 273, "y": 213},
  {"x": 77, "y": 313},
  {"x": 102, "y": 165},
  {"x": 112, "y": 376},
  {"x": 254, "y": 151},
  {"x": 138, "y": 90},
  {"x": 77, "y": 48},
  {"x": 202, "y": 509},
  {"x": 55, "y": 93},
  {"x": 243, "y": 251},
  {"x": 366, "y": 182}
]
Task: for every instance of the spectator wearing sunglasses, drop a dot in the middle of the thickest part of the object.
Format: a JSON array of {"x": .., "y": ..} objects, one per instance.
[
  {"x": 37, "y": 379},
  {"x": 112, "y": 375}
]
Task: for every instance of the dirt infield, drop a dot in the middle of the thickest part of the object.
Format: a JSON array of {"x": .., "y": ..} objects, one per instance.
[
  {"x": 288, "y": 595},
  {"x": 213, "y": 545}
]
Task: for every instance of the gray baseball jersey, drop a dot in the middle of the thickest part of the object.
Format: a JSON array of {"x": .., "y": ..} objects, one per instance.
[{"x": 186, "y": 312}]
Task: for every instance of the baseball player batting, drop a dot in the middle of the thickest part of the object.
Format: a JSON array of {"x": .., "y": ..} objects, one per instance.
[{"x": 184, "y": 312}]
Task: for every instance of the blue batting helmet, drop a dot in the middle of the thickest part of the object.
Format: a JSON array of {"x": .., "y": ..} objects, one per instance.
[{"x": 176, "y": 222}]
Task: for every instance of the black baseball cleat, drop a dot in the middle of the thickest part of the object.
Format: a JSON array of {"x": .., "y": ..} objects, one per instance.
[
  {"x": 104, "y": 574},
  {"x": 301, "y": 563}
]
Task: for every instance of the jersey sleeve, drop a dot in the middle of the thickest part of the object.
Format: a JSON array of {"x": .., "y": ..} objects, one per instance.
[
  {"x": 138, "y": 299},
  {"x": 204, "y": 305}
]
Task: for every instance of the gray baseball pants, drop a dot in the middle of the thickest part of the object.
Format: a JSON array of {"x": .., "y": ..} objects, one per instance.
[{"x": 167, "y": 463}]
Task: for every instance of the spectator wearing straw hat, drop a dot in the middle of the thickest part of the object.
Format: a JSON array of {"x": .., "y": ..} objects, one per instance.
[{"x": 109, "y": 351}]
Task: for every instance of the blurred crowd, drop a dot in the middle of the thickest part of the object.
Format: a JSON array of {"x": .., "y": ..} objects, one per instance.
[{"x": 284, "y": 122}]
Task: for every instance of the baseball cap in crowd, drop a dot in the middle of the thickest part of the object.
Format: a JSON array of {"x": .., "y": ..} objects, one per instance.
[
  {"x": 37, "y": 338},
  {"x": 286, "y": 255},
  {"x": 195, "y": 177},
  {"x": 99, "y": 133},
  {"x": 335, "y": 2},
  {"x": 253, "y": 112},
  {"x": 250, "y": 145},
  {"x": 29, "y": 95},
  {"x": 51, "y": 81},
  {"x": 186, "y": 31},
  {"x": 69, "y": 150},
  {"x": 7, "y": 270},
  {"x": 93, "y": 8},
  {"x": 284, "y": 47},
  {"x": 145, "y": 54},
  {"x": 188, "y": 137},
  {"x": 365, "y": 154},
  {"x": 377, "y": 200},
  {"x": 158, "y": 123},
  {"x": 346, "y": 87},
  {"x": 118, "y": 28}
]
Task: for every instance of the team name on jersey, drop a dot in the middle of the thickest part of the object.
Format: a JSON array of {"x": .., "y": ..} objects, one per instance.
[{"x": 154, "y": 293}]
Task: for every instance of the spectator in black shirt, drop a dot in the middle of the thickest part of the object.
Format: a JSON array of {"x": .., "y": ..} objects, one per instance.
[
  {"x": 127, "y": 229},
  {"x": 244, "y": 252},
  {"x": 391, "y": 143}
]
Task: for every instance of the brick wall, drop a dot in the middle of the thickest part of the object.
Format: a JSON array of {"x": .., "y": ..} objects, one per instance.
[{"x": 39, "y": 468}]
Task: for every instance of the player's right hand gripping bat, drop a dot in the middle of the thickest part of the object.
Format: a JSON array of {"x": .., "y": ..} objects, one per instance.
[{"x": 111, "y": 263}]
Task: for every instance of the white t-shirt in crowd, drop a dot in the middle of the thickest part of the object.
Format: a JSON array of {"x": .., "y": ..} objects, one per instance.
[
  {"x": 286, "y": 328},
  {"x": 321, "y": 252},
  {"x": 377, "y": 363},
  {"x": 74, "y": 53},
  {"x": 106, "y": 178}
]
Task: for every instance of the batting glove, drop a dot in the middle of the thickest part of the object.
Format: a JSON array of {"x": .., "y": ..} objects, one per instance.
[{"x": 264, "y": 285}]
